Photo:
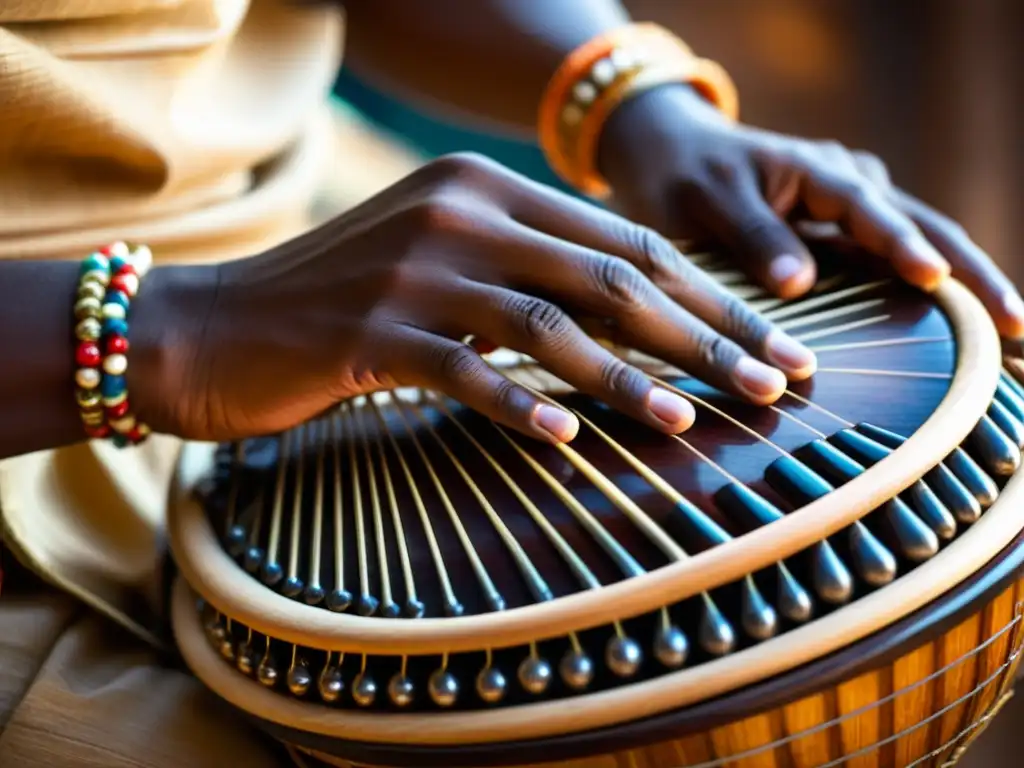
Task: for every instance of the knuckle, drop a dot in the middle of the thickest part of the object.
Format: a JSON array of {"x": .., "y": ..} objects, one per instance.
[
  {"x": 440, "y": 214},
  {"x": 506, "y": 396},
  {"x": 713, "y": 350},
  {"x": 655, "y": 256},
  {"x": 619, "y": 377},
  {"x": 741, "y": 322},
  {"x": 540, "y": 321},
  {"x": 621, "y": 283},
  {"x": 463, "y": 165},
  {"x": 458, "y": 361}
]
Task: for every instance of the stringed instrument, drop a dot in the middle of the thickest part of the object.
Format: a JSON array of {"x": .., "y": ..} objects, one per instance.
[{"x": 834, "y": 580}]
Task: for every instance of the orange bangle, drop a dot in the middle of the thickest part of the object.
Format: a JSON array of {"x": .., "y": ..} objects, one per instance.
[
  {"x": 575, "y": 69},
  {"x": 649, "y": 56}
]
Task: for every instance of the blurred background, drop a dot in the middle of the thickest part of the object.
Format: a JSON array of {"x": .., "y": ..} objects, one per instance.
[{"x": 935, "y": 87}]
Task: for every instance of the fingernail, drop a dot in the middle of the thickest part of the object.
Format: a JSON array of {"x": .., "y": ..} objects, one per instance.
[
  {"x": 790, "y": 355},
  {"x": 758, "y": 380},
  {"x": 926, "y": 256},
  {"x": 560, "y": 424},
  {"x": 1013, "y": 306},
  {"x": 669, "y": 407},
  {"x": 784, "y": 268}
]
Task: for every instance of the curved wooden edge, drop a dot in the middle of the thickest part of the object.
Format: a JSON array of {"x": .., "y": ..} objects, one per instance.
[{"x": 219, "y": 579}]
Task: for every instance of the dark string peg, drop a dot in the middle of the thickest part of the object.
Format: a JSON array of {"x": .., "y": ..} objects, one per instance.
[
  {"x": 366, "y": 605},
  {"x": 919, "y": 495},
  {"x": 796, "y": 481},
  {"x": 292, "y": 587},
  {"x": 339, "y": 600},
  {"x": 1007, "y": 422},
  {"x": 996, "y": 452},
  {"x": 758, "y": 618},
  {"x": 415, "y": 609},
  {"x": 314, "y": 594},
  {"x": 391, "y": 610},
  {"x": 917, "y": 542},
  {"x": 271, "y": 573},
  {"x": 832, "y": 580},
  {"x": 715, "y": 634},
  {"x": 793, "y": 601},
  {"x": 955, "y": 479},
  {"x": 253, "y": 559},
  {"x": 235, "y": 540}
]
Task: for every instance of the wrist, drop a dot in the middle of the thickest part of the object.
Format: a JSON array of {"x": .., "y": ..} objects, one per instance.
[
  {"x": 168, "y": 322},
  {"x": 654, "y": 121}
]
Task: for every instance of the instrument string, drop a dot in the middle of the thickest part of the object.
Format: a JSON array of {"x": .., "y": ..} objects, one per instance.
[
  {"x": 237, "y": 461},
  {"x": 316, "y": 542},
  {"x": 876, "y": 343},
  {"x": 814, "y": 318},
  {"x": 365, "y": 597},
  {"x": 575, "y": 563},
  {"x": 537, "y": 584},
  {"x": 451, "y": 601},
  {"x": 412, "y": 599},
  {"x": 339, "y": 517},
  {"x": 274, "y": 542},
  {"x": 388, "y": 603},
  {"x": 493, "y": 597},
  {"x": 296, "y": 521}
]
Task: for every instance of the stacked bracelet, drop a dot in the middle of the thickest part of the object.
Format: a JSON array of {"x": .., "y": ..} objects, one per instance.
[
  {"x": 599, "y": 76},
  {"x": 108, "y": 282}
]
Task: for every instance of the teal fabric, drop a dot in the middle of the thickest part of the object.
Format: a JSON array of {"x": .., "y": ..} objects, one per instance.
[{"x": 433, "y": 137}]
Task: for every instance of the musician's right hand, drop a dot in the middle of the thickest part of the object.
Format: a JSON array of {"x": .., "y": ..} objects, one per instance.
[{"x": 384, "y": 295}]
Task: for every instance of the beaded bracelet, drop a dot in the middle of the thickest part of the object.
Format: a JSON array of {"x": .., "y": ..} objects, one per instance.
[
  {"x": 109, "y": 280},
  {"x": 599, "y": 76}
]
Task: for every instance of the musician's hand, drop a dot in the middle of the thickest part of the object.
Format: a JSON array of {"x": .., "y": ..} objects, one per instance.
[
  {"x": 677, "y": 165},
  {"x": 384, "y": 295}
]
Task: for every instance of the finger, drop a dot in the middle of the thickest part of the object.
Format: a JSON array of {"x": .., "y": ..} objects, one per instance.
[
  {"x": 609, "y": 287},
  {"x": 872, "y": 168},
  {"x": 970, "y": 264},
  {"x": 664, "y": 307},
  {"x": 872, "y": 219},
  {"x": 419, "y": 358},
  {"x": 767, "y": 246},
  {"x": 546, "y": 333}
]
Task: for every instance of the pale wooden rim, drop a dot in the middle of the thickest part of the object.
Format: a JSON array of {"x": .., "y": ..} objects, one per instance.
[
  {"x": 964, "y": 557},
  {"x": 233, "y": 592}
]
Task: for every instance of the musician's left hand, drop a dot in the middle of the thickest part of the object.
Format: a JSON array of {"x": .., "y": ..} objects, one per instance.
[{"x": 680, "y": 167}]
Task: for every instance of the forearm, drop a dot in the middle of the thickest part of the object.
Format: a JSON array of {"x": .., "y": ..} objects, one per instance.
[
  {"x": 37, "y": 406},
  {"x": 490, "y": 58}
]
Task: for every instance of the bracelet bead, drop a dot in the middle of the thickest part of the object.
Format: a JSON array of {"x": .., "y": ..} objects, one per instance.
[
  {"x": 115, "y": 365},
  {"x": 88, "y": 399},
  {"x": 88, "y": 354},
  {"x": 97, "y": 276},
  {"x": 90, "y": 290},
  {"x": 123, "y": 425},
  {"x": 97, "y": 433},
  {"x": 88, "y": 329},
  {"x": 87, "y": 307},
  {"x": 112, "y": 386},
  {"x": 119, "y": 410},
  {"x": 112, "y": 310},
  {"x": 117, "y": 297},
  {"x": 115, "y": 326},
  {"x": 112, "y": 400},
  {"x": 127, "y": 283},
  {"x": 87, "y": 378},
  {"x": 115, "y": 249},
  {"x": 117, "y": 345},
  {"x": 96, "y": 262}
]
